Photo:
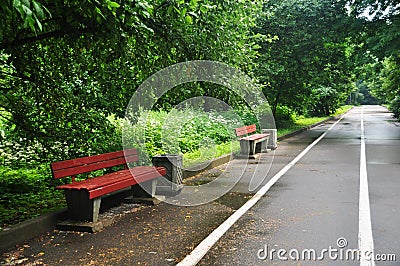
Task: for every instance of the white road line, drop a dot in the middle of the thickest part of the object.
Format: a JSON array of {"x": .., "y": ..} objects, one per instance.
[
  {"x": 198, "y": 253},
  {"x": 365, "y": 239}
]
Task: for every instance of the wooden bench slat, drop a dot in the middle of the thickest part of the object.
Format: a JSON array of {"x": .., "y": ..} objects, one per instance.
[
  {"x": 92, "y": 159},
  {"x": 93, "y": 163},
  {"x": 245, "y": 130},
  {"x": 256, "y": 137},
  {"x": 96, "y": 182},
  {"x": 88, "y": 168},
  {"x": 125, "y": 183}
]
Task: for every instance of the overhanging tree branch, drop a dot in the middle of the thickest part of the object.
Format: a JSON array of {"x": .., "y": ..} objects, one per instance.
[{"x": 47, "y": 35}]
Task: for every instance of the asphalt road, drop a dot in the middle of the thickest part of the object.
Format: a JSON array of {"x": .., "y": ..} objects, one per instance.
[{"x": 313, "y": 207}]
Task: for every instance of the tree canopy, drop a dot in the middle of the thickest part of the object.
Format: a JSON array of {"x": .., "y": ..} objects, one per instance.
[
  {"x": 65, "y": 66},
  {"x": 379, "y": 67},
  {"x": 307, "y": 65}
]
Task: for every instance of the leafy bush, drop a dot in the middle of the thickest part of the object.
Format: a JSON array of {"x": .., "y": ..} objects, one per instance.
[
  {"x": 325, "y": 101},
  {"x": 27, "y": 193},
  {"x": 395, "y": 107},
  {"x": 22, "y": 180},
  {"x": 284, "y": 116},
  {"x": 15, "y": 154},
  {"x": 179, "y": 131},
  {"x": 28, "y": 188},
  {"x": 18, "y": 152}
]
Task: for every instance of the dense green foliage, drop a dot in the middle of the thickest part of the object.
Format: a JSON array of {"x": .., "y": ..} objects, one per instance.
[
  {"x": 60, "y": 80},
  {"x": 69, "y": 68},
  {"x": 385, "y": 82},
  {"x": 27, "y": 193},
  {"x": 307, "y": 66},
  {"x": 380, "y": 64},
  {"x": 185, "y": 131},
  {"x": 66, "y": 66}
]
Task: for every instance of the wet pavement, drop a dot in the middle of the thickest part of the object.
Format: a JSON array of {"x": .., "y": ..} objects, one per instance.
[
  {"x": 315, "y": 206},
  {"x": 312, "y": 206}
]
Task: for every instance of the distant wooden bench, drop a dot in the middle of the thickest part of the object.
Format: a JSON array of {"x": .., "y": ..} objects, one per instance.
[
  {"x": 248, "y": 144},
  {"x": 84, "y": 197}
]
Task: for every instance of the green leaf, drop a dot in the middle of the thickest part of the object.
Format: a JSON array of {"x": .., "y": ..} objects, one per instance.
[
  {"x": 203, "y": 9},
  {"x": 188, "y": 19},
  {"x": 193, "y": 3},
  {"x": 112, "y": 4},
  {"x": 183, "y": 12},
  {"x": 39, "y": 10},
  {"x": 98, "y": 11},
  {"x": 16, "y": 4},
  {"x": 26, "y": 3},
  {"x": 27, "y": 11},
  {"x": 39, "y": 24}
]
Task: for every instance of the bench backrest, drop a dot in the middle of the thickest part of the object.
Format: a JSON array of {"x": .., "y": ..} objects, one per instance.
[
  {"x": 240, "y": 131},
  {"x": 92, "y": 163}
]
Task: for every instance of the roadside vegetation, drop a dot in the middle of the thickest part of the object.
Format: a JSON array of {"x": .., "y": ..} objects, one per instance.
[
  {"x": 300, "y": 122},
  {"x": 28, "y": 187},
  {"x": 69, "y": 68}
]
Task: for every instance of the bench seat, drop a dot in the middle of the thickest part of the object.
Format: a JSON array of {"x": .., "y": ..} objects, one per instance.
[
  {"x": 248, "y": 144},
  {"x": 257, "y": 137},
  {"x": 84, "y": 197},
  {"x": 108, "y": 183}
]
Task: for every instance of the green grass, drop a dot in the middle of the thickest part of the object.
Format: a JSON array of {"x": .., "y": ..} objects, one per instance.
[
  {"x": 343, "y": 109},
  {"x": 302, "y": 122},
  {"x": 207, "y": 153}
]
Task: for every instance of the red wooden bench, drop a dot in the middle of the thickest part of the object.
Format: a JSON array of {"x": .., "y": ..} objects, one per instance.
[
  {"x": 84, "y": 197},
  {"x": 248, "y": 144}
]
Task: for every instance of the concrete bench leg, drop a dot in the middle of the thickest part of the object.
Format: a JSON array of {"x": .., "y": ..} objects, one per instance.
[
  {"x": 247, "y": 147},
  {"x": 261, "y": 146},
  {"x": 80, "y": 207},
  {"x": 145, "y": 190},
  {"x": 145, "y": 193},
  {"x": 273, "y": 138}
]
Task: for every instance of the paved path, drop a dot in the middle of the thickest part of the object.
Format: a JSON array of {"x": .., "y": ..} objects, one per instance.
[{"x": 315, "y": 203}]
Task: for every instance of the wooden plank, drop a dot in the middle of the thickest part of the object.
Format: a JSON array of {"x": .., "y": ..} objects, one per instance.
[
  {"x": 123, "y": 184},
  {"x": 245, "y": 130},
  {"x": 92, "y": 159},
  {"x": 116, "y": 177},
  {"x": 92, "y": 163},
  {"x": 99, "y": 181},
  {"x": 241, "y": 131},
  {"x": 88, "y": 168},
  {"x": 256, "y": 137}
]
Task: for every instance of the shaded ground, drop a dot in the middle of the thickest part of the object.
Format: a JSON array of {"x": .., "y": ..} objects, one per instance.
[{"x": 142, "y": 235}]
